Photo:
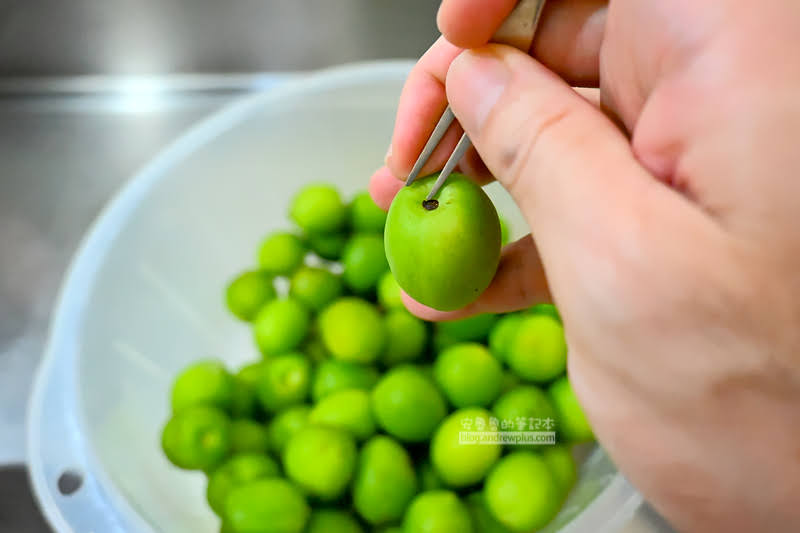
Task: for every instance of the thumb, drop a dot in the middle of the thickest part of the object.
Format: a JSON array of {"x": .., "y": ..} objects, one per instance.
[{"x": 567, "y": 166}]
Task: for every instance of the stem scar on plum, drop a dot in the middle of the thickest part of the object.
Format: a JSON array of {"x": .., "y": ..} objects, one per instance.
[{"x": 431, "y": 204}]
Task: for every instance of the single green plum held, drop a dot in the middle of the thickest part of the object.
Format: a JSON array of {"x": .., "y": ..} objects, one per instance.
[{"x": 443, "y": 257}]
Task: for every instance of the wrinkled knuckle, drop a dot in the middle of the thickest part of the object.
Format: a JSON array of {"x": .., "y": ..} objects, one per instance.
[{"x": 542, "y": 125}]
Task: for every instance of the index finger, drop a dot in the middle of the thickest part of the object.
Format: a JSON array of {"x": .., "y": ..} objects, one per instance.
[
  {"x": 422, "y": 102},
  {"x": 471, "y": 23}
]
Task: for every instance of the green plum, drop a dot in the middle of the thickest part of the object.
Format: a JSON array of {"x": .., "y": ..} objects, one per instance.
[
  {"x": 546, "y": 309},
  {"x": 315, "y": 287},
  {"x": 364, "y": 262},
  {"x": 333, "y": 375},
  {"x": 560, "y": 461},
  {"x": 267, "y": 505},
  {"x": 482, "y": 519},
  {"x": 537, "y": 351},
  {"x": 521, "y": 492},
  {"x": 321, "y": 460},
  {"x": 348, "y": 409},
  {"x": 285, "y": 381},
  {"x": 502, "y": 334},
  {"x": 385, "y": 481},
  {"x": 407, "y": 404},
  {"x": 437, "y": 511},
  {"x": 197, "y": 438},
  {"x": 248, "y": 436},
  {"x": 352, "y": 330},
  {"x": 333, "y": 521},
  {"x": 281, "y": 326},
  {"x": 281, "y": 253},
  {"x": 205, "y": 382},
  {"x": 468, "y": 375},
  {"x": 285, "y": 425},
  {"x": 428, "y": 478},
  {"x": 461, "y": 464},
  {"x": 505, "y": 230},
  {"x": 389, "y": 294},
  {"x": 318, "y": 208},
  {"x": 474, "y": 328},
  {"x": 571, "y": 422},
  {"x": 365, "y": 215},
  {"x": 237, "y": 470},
  {"x": 443, "y": 253},
  {"x": 328, "y": 246},
  {"x": 527, "y": 408},
  {"x": 406, "y": 337},
  {"x": 248, "y": 293}
]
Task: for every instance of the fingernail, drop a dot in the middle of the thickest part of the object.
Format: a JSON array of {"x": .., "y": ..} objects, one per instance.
[
  {"x": 475, "y": 82},
  {"x": 388, "y": 155}
]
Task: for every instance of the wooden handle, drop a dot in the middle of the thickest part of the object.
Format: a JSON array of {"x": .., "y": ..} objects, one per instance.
[{"x": 520, "y": 26}]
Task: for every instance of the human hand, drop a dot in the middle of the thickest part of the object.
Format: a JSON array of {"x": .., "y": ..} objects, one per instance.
[{"x": 663, "y": 222}]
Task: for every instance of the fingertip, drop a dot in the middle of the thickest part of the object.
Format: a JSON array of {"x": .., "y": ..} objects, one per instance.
[
  {"x": 383, "y": 186},
  {"x": 471, "y": 23},
  {"x": 421, "y": 104},
  {"x": 428, "y": 313}
]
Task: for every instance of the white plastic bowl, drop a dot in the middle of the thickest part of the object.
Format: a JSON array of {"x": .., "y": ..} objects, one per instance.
[{"x": 143, "y": 298}]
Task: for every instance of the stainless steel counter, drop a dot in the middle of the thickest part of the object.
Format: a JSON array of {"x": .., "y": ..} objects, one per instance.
[{"x": 53, "y": 37}]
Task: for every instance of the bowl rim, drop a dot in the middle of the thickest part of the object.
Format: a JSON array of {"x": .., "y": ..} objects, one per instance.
[{"x": 54, "y": 437}]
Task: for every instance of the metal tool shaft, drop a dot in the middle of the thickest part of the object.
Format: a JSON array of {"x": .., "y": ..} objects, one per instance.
[
  {"x": 433, "y": 142},
  {"x": 517, "y": 30},
  {"x": 461, "y": 148}
]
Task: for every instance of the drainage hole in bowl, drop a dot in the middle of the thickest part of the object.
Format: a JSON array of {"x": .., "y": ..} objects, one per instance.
[{"x": 69, "y": 482}]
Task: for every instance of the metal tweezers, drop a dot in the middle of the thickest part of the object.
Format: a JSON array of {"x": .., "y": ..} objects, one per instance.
[{"x": 517, "y": 30}]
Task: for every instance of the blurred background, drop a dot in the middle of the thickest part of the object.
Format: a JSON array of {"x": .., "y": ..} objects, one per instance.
[{"x": 90, "y": 90}]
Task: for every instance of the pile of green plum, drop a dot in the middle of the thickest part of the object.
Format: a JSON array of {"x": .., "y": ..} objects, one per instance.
[{"x": 352, "y": 418}]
